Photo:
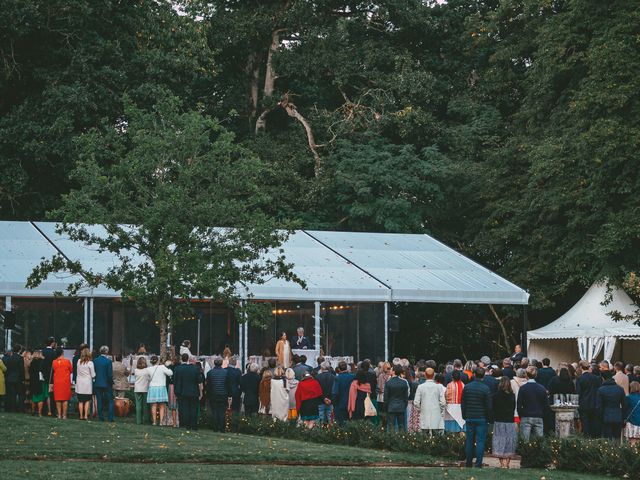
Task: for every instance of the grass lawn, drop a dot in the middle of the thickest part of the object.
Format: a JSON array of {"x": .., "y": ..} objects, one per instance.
[{"x": 38, "y": 448}]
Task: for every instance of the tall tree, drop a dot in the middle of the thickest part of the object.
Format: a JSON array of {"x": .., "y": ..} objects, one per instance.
[
  {"x": 179, "y": 204},
  {"x": 64, "y": 65}
]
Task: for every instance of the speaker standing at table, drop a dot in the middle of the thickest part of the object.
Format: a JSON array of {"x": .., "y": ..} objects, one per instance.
[{"x": 301, "y": 342}]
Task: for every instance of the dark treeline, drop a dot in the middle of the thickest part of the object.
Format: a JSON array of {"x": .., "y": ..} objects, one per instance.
[{"x": 508, "y": 129}]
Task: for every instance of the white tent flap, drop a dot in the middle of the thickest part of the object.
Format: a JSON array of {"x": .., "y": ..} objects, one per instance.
[{"x": 609, "y": 347}]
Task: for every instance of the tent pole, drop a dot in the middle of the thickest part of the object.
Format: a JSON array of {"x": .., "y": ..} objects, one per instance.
[
  {"x": 316, "y": 324},
  {"x": 525, "y": 322},
  {"x": 386, "y": 332},
  {"x": 9, "y": 332}
]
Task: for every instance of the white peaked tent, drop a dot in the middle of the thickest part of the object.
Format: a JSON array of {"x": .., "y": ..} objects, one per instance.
[{"x": 588, "y": 329}]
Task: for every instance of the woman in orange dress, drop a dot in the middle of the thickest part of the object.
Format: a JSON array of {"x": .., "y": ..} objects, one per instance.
[{"x": 62, "y": 370}]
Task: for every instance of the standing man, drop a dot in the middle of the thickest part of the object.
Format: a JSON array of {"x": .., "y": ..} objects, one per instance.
[
  {"x": 14, "y": 379},
  {"x": 477, "y": 410},
  {"x": 49, "y": 354},
  {"x": 620, "y": 377},
  {"x": 457, "y": 365},
  {"x": 250, "y": 386},
  {"x": 234, "y": 375},
  {"x": 545, "y": 374},
  {"x": 340, "y": 394},
  {"x": 301, "y": 342},
  {"x": 396, "y": 398},
  {"x": 431, "y": 402},
  {"x": 301, "y": 368},
  {"x": 326, "y": 380},
  {"x": 532, "y": 403},
  {"x": 187, "y": 385},
  {"x": 587, "y": 386},
  {"x": 507, "y": 369},
  {"x": 103, "y": 385},
  {"x": 610, "y": 402},
  {"x": 517, "y": 356},
  {"x": 219, "y": 394}
]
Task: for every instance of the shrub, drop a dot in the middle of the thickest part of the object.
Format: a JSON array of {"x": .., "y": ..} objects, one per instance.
[
  {"x": 580, "y": 454},
  {"x": 361, "y": 434}
]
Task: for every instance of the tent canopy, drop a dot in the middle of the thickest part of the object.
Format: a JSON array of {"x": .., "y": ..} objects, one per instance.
[
  {"x": 589, "y": 318},
  {"x": 338, "y": 266}
]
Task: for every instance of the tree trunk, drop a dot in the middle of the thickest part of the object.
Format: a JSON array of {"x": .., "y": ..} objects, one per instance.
[
  {"x": 269, "y": 78},
  {"x": 253, "y": 69},
  {"x": 507, "y": 343},
  {"x": 163, "y": 322}
]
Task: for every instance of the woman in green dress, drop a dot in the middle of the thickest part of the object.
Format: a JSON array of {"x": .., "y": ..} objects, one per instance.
[{"x": 38, "y": 385}]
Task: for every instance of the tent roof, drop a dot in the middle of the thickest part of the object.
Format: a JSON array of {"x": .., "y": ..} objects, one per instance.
[
  {"x": 589, "y": 318},
  {"x": 338, "y": 266}
]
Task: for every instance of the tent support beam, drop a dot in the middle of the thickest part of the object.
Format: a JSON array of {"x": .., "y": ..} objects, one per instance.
[{"x": 525, "y": 324}]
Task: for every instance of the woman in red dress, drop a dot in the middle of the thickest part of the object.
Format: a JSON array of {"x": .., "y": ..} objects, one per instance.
[{"x": 62, "y": 370}]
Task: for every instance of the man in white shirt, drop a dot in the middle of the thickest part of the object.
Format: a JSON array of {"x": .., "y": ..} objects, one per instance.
[{"x": 430, "y": 399}]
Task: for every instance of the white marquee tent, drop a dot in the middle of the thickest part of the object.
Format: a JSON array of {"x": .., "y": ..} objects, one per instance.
[{"x": 587, "y": 330}]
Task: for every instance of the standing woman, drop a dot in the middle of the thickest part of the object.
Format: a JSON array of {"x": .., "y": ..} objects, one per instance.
[
  {"x": 264, "y": 393},
  {"x": 632, "y": 414},
  {"x": 505, "y": 435},
  {"x": 62, "y": 370},
  {"x": 85, "y": 373},
  {"x": 292, "y": 386},
  {"x": 140, "y": 391},
  {"x": 358, "y": 392},
  {"x": 309, "y": 396},
  {"x": 157, "y": 395},
  {"x": 283, "y": 351},
  {"x": 3, "y": 388},
  {"x": 37, "y": 384},
  {"x": 120, "y": 377},
  {"x": 26, "y": 358},
  {"x": 453, "y": 421},
  {"x": 279, "y": 396},
  {"x": 383, "y": 375}
]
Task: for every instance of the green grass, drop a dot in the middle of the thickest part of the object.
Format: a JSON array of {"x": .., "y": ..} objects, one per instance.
[
  {"x": 39, "y": 448},
  {"x": 49, "y": 438},
  {"x": 121, "y": 471}
]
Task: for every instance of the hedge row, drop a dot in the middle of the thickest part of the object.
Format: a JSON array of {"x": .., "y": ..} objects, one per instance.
[
  {"x": 573, "y": 454},
  {"x": 579, "y": 454}
]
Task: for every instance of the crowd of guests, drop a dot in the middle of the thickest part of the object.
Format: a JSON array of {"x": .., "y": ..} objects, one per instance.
[{"x": 512, "y": 398}]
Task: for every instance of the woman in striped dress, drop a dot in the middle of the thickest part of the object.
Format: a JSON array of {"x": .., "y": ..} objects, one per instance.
[{"x": 453, "y": 413}]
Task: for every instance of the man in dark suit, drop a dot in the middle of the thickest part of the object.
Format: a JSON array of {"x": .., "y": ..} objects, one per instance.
[
  {"x": 396, "y": 398},
  {"x": 507, "y": 369},
  {"x": 340, "y": 393},
  {"x": 218, "y": 393},
  {"x": 49, "y": 354},
  {"x": 587, "y": 387},
  {"x": 301, "y": 369},
  {"x": 234, "y": 375},
  {"x": 250, "y": 385},
  {"x": 188, "y": 389},
  {"x": 103, "y": 384},
  {"x": 301, "y": 342},
  {"x": 477, "y": 410},
  {"x": 14, "y": 379},
  {"x": 517, "y": 356},
  {"x": 610, "y": 403}
]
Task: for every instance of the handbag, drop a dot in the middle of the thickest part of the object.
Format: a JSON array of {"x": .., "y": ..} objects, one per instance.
[
  {"x": 369, "y": 409},
  {"x": 50, "y": 375}
]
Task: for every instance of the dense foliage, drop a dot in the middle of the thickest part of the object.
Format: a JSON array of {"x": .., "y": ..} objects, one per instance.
[{"x": 507, "y": 129}]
